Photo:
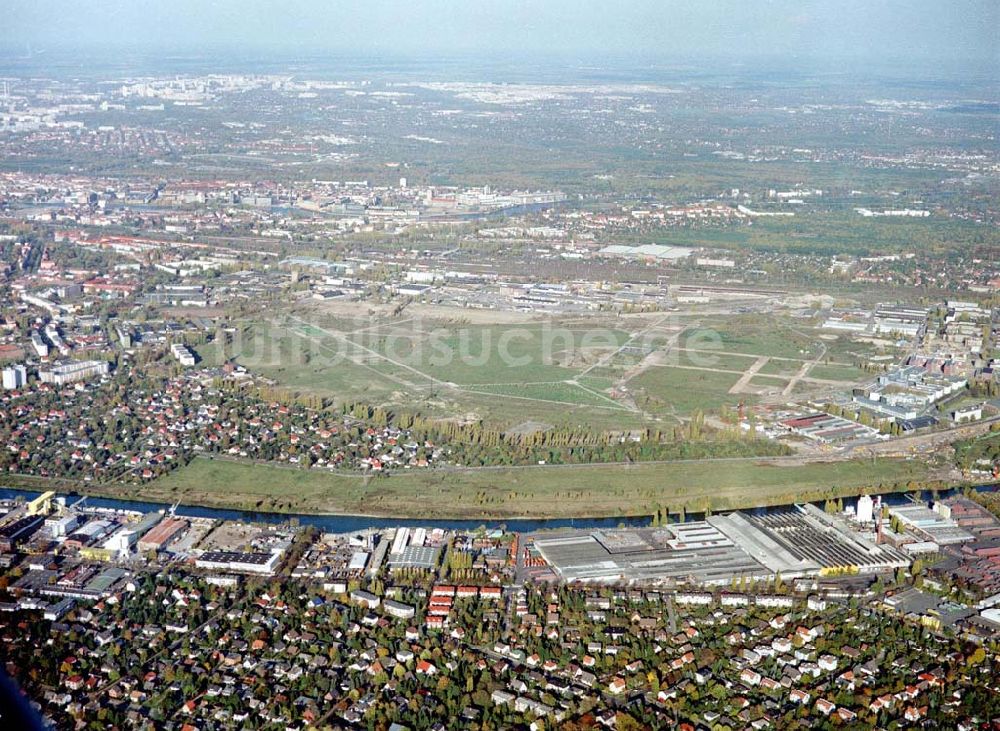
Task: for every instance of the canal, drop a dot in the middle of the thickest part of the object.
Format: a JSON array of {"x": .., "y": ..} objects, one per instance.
[{"x": 352, "y": 523}]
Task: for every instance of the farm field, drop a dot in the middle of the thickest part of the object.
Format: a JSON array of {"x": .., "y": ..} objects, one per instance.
[{"x": 535, "y": 491}]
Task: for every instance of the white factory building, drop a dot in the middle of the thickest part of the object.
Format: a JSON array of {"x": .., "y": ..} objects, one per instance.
[{"x": 866, "y": 509}]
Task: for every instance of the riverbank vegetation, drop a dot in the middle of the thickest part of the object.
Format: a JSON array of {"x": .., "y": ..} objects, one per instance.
[{"x": 538, "y": 491}]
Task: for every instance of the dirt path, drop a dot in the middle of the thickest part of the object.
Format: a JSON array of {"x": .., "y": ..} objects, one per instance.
[
  {"x": 741, "y": 385},
  {"x": 369, "y": 351},
  {"x": 794, "y": 380},
  {"x": 634, "y": 336}
]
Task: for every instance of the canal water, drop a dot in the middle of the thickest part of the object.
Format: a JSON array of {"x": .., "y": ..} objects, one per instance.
[
  {"x": 352, "y": 523},
  {"x": 340, "y": 523}
]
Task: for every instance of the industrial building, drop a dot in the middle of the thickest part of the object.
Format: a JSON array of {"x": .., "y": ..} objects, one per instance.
[
  {"x": 121, "y": 541},
  {"x": 898, "y": 320},
  {"x": 158, "y": 538},
  {"x": 968, "y": 413},
  {"x": 657, "y": 252},
  {"x": 827, "y": 429},
  {"x": 400, "y": 541},
  {"x": 931, "y": 525},
  {"x": 796, "y": 542},
  {"x": 865, "y": 510},
  {"x": 58, "y": 527},
  {"x": 318, "y": 265},
  {"x": 689, "y": 552},
  {"x": 813, "y": 536},
  {"x": 377, "y": 557},
  {"x": 414, "y": 557},
  {"x": 252, "y": 563},
  {"x": 885, "y": 320},
  {"x": 14, "y": 533},
  {"x": 89, "y": 533},
  {"x": 40, "y": 505},
  {"x": 359, "y": 559}
]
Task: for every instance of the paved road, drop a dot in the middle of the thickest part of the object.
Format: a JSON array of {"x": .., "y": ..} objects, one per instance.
[{"x": 520, "y": 573}]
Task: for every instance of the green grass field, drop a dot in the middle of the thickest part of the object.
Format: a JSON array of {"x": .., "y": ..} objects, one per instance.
[
  {"x": 557, "y": 392},
  {"x": 769, "y": 382},
  {"x": 782, "y": 368},
  {"x": 503, "y": 373},
  {"x": 757, "y": 335},
  {"x": 680, "y": 391},
  {"x": 536, "y": 491},
  {"x": 837, "y": 373},
  {"x": 720, "y": 361},
  {"x": 567, "y": 372},
  {"x": 491, "y": 354}
]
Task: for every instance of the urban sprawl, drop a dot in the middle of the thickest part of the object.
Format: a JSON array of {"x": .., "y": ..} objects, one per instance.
[{"x": 739, "y": 342}]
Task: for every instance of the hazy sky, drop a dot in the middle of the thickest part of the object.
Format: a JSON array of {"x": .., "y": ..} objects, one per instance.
[{"x": 820, "y": 29}]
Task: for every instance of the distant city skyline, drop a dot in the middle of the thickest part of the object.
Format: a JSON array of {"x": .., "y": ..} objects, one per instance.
[{"x": 862, "y": 31}]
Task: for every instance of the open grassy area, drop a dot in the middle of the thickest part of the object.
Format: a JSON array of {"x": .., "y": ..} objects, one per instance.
[
  {"x": 488, "y": 354},
  {"x": 398, "y": 366},
  {"x": 838, "y": 373},
  {"x": 769, "y": 382},
  {"x": 556, "y": 392},
  {"x": 507, "y": 411},
  {"x": 844, "y": 349},
  {"x": 758, "y": 335},
  {"x": 535, "y": 491},
  {"x": 707, "y": 359},
  {"x": 315, "y": 366},
  {"x": 559, "y": 371},
  {"x": 680, "y": 391},
  {"x": 780, "y": 367},
  {"x": 834, "y": 232}
]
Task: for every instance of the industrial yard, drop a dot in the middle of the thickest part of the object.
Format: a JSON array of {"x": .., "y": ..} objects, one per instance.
[{"x": 789, "y": 543}]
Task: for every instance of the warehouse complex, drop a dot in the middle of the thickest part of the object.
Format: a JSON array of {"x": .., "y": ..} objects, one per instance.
[{"x": 796, "y": 542}]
